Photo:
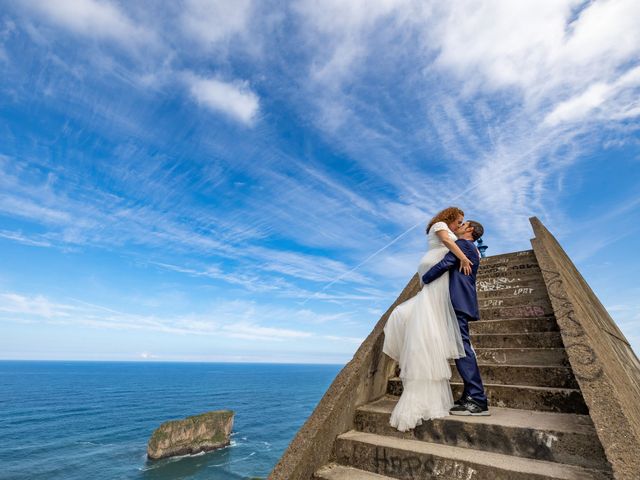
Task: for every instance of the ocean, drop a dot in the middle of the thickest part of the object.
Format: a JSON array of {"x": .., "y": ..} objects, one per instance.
[{"x": 92, "y": 420}]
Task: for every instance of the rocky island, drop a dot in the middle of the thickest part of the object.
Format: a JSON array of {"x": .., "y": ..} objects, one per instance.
[{"x": 199, "y": 433}]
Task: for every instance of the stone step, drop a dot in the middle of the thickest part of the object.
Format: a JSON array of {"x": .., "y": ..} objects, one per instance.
[
  {"x": 544, "y": 399},
  {"x": 536, "y": 376},
  {"x": 508, "y": 257},
  {"x": 498, "y": 259},
  {"x": 554, "y": 437},
  {"x": 518, "y": 276},
  {"x": 537, "y": 310},
  {"x": 333, "y": 471},
  {"x": 521, "y": 268},
  {"x": 514, "y": 301},
  {"x": 413, "y": 459},
  {"x": 508, "y": 273},
  {"x": 525, "y": 270},
  {"x": 522, "y": 356},
  {"x": 491, "y": 284},
  {"x": 517, "y": 340},
  {"x": 529, "y": 293},
  {"x": 507, "y": 260},
  {"x": 515, "y": 325},
  {"x": 486, "y": 291},
  {"x": 522, "y": 263}
]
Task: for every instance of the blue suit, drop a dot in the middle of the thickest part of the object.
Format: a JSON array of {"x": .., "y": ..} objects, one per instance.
[{"x": 462, "y": 289}]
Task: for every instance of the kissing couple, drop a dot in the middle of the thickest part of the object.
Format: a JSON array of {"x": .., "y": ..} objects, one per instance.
[{"x": 425, "y": 332}]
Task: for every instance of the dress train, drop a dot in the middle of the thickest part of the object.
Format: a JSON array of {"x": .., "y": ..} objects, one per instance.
[{"x": 422, "y": 334}]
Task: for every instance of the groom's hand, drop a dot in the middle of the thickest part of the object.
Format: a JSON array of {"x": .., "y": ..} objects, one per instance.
[{"x": 465, "y": 266}]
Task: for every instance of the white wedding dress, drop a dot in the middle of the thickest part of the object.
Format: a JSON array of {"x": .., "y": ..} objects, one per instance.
[{"x": 422, "y": 334}]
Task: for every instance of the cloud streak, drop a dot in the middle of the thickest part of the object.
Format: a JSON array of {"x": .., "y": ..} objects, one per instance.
[
  {"x": 94, "y": 19},
  {"x": 232, "y": 319},
  {"x": 213, "y": 22}
]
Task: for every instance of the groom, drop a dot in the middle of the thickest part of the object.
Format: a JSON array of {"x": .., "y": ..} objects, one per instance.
[{"x": 462, "y": 289}]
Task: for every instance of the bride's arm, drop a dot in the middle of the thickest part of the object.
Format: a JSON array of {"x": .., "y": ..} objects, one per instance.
[{"x": 465, "y": 263}]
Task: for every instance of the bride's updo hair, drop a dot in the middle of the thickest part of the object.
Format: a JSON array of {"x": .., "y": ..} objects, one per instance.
[{"x": 448, "y": 215}]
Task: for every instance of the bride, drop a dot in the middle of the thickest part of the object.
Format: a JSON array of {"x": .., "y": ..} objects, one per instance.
[{"x": 422, "y": 334}]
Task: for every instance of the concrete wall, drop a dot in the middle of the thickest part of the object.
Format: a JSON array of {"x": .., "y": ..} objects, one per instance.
[
  {"x": 603, "y": 362},
  {"x": 363, "y": 379}
]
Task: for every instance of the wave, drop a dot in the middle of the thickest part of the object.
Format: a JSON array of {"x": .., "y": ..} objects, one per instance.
[
  {"x": 224, "y": 464},
  {"x": 94, "y": 444},
  {"x": 164, "y": 461}
]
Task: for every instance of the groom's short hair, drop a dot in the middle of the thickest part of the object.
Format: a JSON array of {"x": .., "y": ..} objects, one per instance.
[{"x": 478, "y": 229}]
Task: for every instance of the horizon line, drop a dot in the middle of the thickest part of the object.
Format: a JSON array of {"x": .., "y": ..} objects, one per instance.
[{"x": 161, "y": 361}]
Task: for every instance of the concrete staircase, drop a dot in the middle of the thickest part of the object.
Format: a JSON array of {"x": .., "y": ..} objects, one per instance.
[{"x": 539, "y": 426}]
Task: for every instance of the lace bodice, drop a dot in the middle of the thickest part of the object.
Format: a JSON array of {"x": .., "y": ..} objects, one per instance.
[{"x": 434, "y": 240}]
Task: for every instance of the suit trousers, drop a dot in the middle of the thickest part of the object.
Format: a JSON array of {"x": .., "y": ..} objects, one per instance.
[{"x": 468, "y": 366}]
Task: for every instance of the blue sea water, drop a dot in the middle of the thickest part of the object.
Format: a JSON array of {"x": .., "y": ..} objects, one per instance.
[{"x": 92, "y": 420}]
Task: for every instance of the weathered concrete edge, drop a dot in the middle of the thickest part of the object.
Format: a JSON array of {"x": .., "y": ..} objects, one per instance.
[
  {"x": 588, "y": 356},
  {"x": 361, "y": 380}
]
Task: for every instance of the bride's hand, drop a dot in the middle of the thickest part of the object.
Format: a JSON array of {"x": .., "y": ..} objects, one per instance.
[{"x": 465, "y": 266}]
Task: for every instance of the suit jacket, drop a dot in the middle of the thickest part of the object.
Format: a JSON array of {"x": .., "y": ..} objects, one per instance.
[{"x": 462, "y": 288}]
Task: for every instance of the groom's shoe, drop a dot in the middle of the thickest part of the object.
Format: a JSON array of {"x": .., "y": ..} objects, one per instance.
[
  {"x": 469, "y": 407},
  {"x": 463, "y": 399},
  {"x": 459, "y": 401}
]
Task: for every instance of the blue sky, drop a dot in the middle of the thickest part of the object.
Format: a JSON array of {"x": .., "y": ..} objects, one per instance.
[{"x": 226, "y": 180}]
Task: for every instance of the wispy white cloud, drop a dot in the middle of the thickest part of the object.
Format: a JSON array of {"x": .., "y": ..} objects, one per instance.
[
  {"x": 37, "y": 305},
  {"x": 627, "y": 318},
  {"x": 6, "y": 31},
  {"x": 251, "y": 282},
  {"x": 234, "y": 99},
  {"x": 253, "y": 277},
  {"x": 20, "y": 206},
  {"x": 538, "y": 47},
  {"x": 341, "y": 33},
  {"x": 585, "y": 247},
  {"x": 299, "y": 265},
  {"x": 601, "y": 101},
  {"x": 20, "y": 238},
  {"x": 230, "y": 319},
  {"x": 93, "y": 18},
  {"x": 252, "y": 331},
  {"x": 352, "y": 340},
  {"x": 213, "y": 21}
]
